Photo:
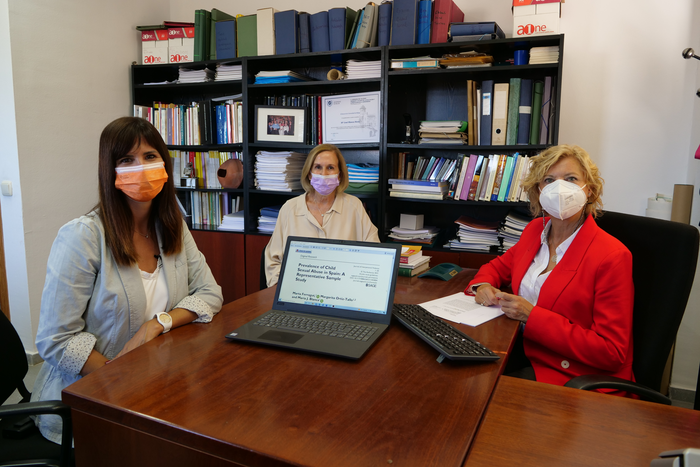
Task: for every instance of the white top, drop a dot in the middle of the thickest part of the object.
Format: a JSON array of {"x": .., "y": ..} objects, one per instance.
[{"x": 156, "y": 290}]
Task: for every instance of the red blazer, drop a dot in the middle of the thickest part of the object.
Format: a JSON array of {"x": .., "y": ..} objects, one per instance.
[{"x": 582, "y": 323}]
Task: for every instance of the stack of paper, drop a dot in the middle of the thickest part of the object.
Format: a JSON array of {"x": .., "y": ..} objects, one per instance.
[
  {"x": 424, "y": 235},
  {"x": 284, "y": 76},
  {"x": 268, "y": 218},
  {"x": 544, "y": 55},
  {"x": 188, "y": 75},
  {"x": 233, "y": 221},
  {"x": 443, "y": 132},
  {"x": 278, "y": 171},
  {"x": 466, "y": 59},
  {"x": 363, "y": 69},
  {"x": 363, "y": 173},
  {"x": 228, "y": 72},
  {"x": 512, "y": 228},
  {"x": 475, "y": 235}
]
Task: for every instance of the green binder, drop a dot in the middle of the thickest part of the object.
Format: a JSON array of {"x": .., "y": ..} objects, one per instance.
[{"x": 248, "y": 36}]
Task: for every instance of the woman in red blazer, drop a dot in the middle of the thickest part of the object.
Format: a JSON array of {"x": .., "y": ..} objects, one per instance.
[{"x": 572, "y": 282}]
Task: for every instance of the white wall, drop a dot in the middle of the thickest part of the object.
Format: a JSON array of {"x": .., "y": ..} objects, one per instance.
[{"x": 628, "y": 98}]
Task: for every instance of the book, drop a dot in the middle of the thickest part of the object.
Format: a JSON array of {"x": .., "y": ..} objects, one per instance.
[
  {"x": 478, "y": 173},
  {"x": 486, "y": 106},
  {"x": 424, "y": 17},
  {"x": 416, "y": 195},
  {"x": 266, "y": 31},
  {"x": 470, "y": 115},
  {"x": 536, "y": 119},
  {"x": 506, "y": 180},
  {"x": 404, "y": 22},
  {"x": 500, "y": 114},
  {"x": 304, "y": 38},
  {"x": 487, "y": 186},
  {"x": 202, "y": 25},
  {"x": 471, "y": 28},
  {"x": 474, "y": 38},
  {"x": 410, "y": 254},
  {"x": 368, "y": 27},
  {"x": 546, "y": 101},
  {"x": 444, "y": 13},
  {"x": 468, "y": 176},
  {"x": 524, "y": 112},
  {"x": 410, "y": 272},
  {"x": 419, "y": 185},
  {"x": 419, "y": 62},
  {"x": 336, "y": 28},
  {"x": 318, "y": 28},
  {"x": 513, "y": 111},
  {"x": 247, "y": 35},
  {"x": 384, "y": 23},
  {"x": 286, "y": 32},
  {"x": 350, "y": 17},
  {"x": 216, "y": 16},
  {"x": 498, "y": 178},
  {"x": 462, "y": 170},
  {"x": 356, "y": 31},
  {"x": 226, "y": 39}
]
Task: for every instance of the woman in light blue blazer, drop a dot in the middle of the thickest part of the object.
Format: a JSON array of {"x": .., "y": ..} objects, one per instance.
[{"x": 122, "y": 274}]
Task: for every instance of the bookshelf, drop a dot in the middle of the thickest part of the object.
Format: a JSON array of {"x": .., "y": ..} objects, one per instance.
[{"x": 430, "y": 94}]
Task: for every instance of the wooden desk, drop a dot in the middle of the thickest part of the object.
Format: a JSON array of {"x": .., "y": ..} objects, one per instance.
[
  {"x": 529, "y": 423},
  {"x": 190, "y": 397}
]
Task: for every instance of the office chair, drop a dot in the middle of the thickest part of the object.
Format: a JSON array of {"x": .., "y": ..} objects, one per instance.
[
  {"x": 21, "y": 444},
  {"x": 263, "y": 278},
  {"x": 664, "y": 259}
]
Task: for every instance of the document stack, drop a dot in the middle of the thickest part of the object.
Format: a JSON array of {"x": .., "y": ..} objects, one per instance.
[
  {"x": 475, "y": 235},
  {"x": 416, "y": 62},
  {"x": 544, "y": 55},
  {"x": 466, "y": 60},
  {"x": 418, "y": 189},
  {"x": 228, "y": 72},
  {"x": 278, "y": 171},
  {"x": 233, "y": 222},
  {"x": 188, "y": 75},
  {"x": 363, "y": 69},
  {"x": 285, "y": 76},
  {"x": 512, "y": 228},
  {"x": 268, "y": 219},
  {"x": 443, "y": 132},
  {"x": 412, "y": 261},
  {"x": 424, "y": 235}
]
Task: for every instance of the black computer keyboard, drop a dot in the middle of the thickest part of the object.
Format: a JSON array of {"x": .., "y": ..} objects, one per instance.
[
  {"x": 442, "y": 336},
  {"x": 324, "y": 327}
]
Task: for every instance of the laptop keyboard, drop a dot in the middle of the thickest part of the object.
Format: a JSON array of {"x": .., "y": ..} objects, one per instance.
[
  {"x": 323, "y": 327},
  {"x": 442, "y": 336}
]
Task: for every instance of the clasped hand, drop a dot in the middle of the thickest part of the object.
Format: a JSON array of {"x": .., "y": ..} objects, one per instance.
[{"x": 513, "y": 306}]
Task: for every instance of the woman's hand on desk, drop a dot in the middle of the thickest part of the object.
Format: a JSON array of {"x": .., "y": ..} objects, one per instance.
[
  {"x": 513, "y": 306},
  {"x": 486, "y": 295},
  {"x": 147, "y": 332}
]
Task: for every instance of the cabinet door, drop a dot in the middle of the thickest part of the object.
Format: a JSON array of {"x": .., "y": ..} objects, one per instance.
[
  {"x": 254, "y": 247},
  {"x": 225, "y": 254}
]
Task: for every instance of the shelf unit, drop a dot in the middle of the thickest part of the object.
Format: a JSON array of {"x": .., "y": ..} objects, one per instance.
[{"x": 430, "y": 94}]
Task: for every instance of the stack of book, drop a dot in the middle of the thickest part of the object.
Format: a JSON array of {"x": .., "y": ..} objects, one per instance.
[
  {"x": 363, "y": 69},
  {"x": 544, "y": 55},
  {"x": 466, "y": 60},
  {"x": 284, "y": 76},
  {"x": 228, "y": 72},
  {"x": 418, "y": 189},
  {"x": 412, "y": 261},
  {"x": 189, "y": 75},
  {"x": 416, "y": 62},
  {"x": 512, "y": 228},
  {"x": 425, "y": 235},
  {"x": 268, "y": 219},
  {"x": 442, "y": 132},
  {"x": 496, "y": 177},
  {"x": 278, "y": 171},
  {"x": 475, "y": 235},
  {"x": 233, "y": 222},
  {"x": 363, "y": 177}
]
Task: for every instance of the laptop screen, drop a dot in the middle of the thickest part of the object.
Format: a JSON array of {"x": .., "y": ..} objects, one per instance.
[{"x": 337, "y": 277}]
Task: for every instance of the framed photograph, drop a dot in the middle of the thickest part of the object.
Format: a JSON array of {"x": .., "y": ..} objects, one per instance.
[
  {"x": 279, "y": 124},
  {"x": 351, "y": 118}
]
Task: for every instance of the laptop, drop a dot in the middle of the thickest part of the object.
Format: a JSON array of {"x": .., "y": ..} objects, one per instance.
[{"x": 333, "y": 297}]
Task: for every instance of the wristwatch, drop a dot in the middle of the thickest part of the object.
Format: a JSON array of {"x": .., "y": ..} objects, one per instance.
[{"x": 165, "y": 320}]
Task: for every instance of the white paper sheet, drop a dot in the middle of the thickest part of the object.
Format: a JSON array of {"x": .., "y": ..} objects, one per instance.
[{"x": 462, "y": 308}]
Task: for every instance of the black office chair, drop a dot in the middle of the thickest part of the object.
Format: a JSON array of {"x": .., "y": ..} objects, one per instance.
[
  {"x": 664, "y": 257},
  {"x": 263, "y": 277},
  {"x": 21, "y": 444}
]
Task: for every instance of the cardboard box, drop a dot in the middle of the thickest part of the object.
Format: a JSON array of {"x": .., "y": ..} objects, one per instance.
[
  {"x": 411, "y": 221},
  {"x": 154, "y": 46},
  {"x": 181, "y": 44},
  {"x": 536, "y": 17}
]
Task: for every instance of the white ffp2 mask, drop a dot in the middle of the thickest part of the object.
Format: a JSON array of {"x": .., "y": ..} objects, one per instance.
[{"x": 562, "y": 199}]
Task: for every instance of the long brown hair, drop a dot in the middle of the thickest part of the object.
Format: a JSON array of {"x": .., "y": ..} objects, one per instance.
[{"x": 117, "y": 140}]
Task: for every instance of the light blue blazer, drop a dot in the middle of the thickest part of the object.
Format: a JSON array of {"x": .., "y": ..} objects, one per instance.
[{"x": 89, "y": 301}]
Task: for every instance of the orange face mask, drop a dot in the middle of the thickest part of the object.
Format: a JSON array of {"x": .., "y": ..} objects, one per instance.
[{"x": 142, "y": 182}]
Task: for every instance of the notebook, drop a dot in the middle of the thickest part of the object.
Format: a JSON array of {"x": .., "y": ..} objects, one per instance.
[{"x": 333, "y": 297}]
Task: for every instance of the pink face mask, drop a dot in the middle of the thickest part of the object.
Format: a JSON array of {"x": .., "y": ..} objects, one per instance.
[{"x": 324, "y": 184}]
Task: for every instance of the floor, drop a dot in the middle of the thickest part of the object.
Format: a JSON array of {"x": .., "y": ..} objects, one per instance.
[{"x": 34, "y": 371}]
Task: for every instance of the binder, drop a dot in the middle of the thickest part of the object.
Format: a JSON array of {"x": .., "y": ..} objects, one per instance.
[
  {"x": 247, "y": 35},
  {"x": 500, "y": 114},
  {"x": 486, "y": 111},
  {"x": 318, "y": 26},
  {"x": 424, "y": 11},
  {"x": 546, "y": 101},
  {"x": 470, "y": 28},
  {"x": 536, "y": 112},
  {"x": 286, "y": 32},
  {"x": 266, "y": 31},
  {"x": 367, "y": 27},
  {"x": 214, "y": 17},
  {"x": 404, "y": 22},
  {"x": 304, "y": 38},
  {"x": 336, "y": 28},
  {"x": 352, "y": 40},
  {"x": 444, "y": 13},
  {"x": 524, "y": 111},
  {"x": 384, "y": 24},
  {"x": 513, "y": 111},
  {"x": 226, "y": 39}
]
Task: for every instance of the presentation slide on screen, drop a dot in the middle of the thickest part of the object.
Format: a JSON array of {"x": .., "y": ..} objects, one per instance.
[{"x": 347, "y": 277}]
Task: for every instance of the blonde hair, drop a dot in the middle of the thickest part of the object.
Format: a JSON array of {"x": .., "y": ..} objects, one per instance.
[
  {"x": 544, "y": 161},
  {"x": 311, "y": 158}
]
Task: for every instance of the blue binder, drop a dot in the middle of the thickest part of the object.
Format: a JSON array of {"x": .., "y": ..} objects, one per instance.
[
  {"x": 304, "y": 39},
  {"x": 318, "y": 26},
  {"x": 384, "y": 24},
  {"x": 404, "y": 22},
  {"x": 286, "y": 32},
  {"x": 424, "y": 16},
  {"x": 336, "y": 28},
  {"x": 525, "y": 114},
  {"x": 486, "y": 111},
  {"x": 225, "y": 39}
]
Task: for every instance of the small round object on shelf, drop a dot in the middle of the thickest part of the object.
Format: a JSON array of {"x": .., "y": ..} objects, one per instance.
[{"x": 230, "y": 173}]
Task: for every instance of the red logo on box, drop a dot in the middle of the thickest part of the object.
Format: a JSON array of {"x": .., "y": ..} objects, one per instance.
[
  {"x": 530, "y": 29},
  {"x": 176, "y": 58},
  {"x": 151, "y": 59}
]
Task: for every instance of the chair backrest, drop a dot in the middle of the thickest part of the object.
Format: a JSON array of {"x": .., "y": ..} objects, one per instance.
[
  {"x": 664, "y": 256},
  {"x": 13, "y": 363}
]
